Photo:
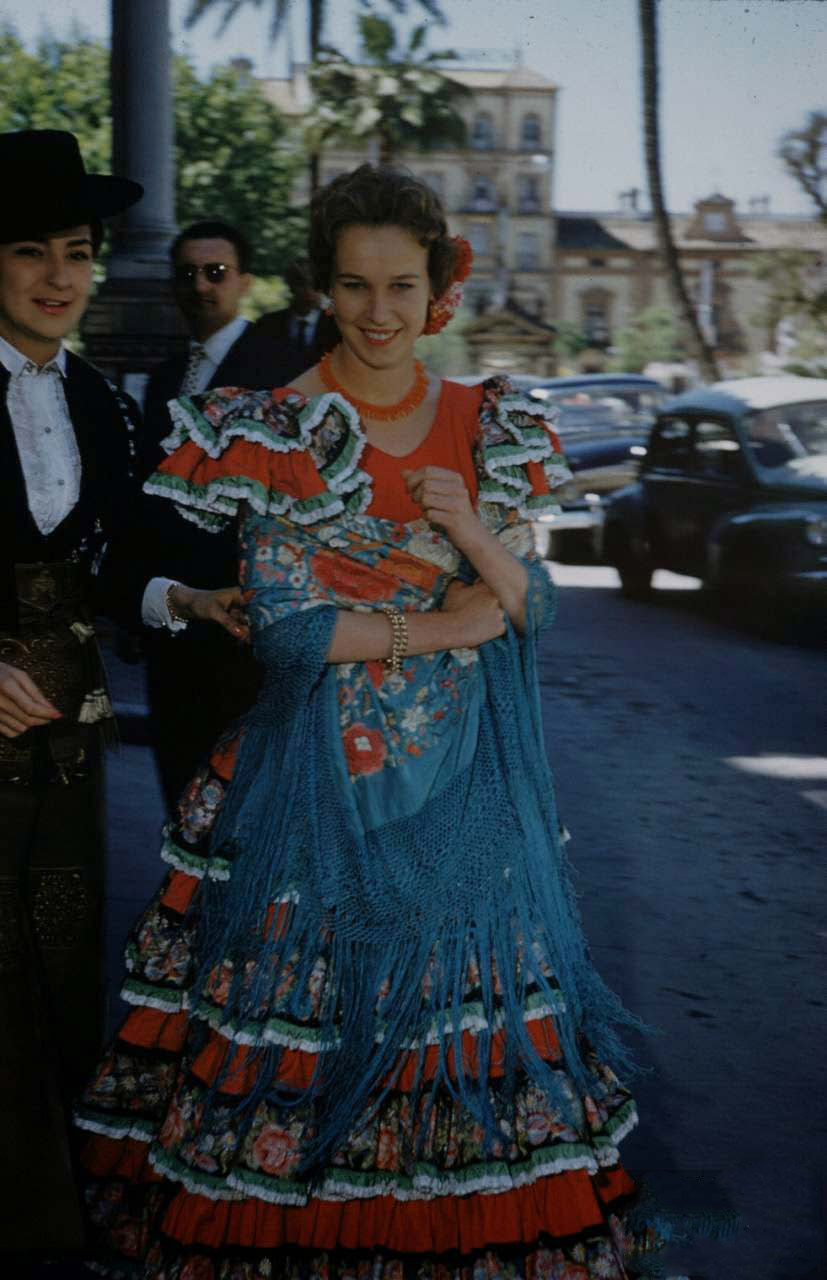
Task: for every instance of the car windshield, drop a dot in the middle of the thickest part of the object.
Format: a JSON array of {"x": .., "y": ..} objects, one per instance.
[
  {"x": 603, "y": 408},
  {"x": 788, "y": 432}
]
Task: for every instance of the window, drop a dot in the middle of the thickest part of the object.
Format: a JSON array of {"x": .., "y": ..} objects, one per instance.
[
  {"x": 479, "y": 237},
  {"x": 484, "y": 196},
  {"x": 482, "y": 132},
  {"x": 717, "y": 451},
  {"x": 597, "y": 263},
  {"x": 528, "y": 251},
  {"x": 529, "y": 197},
  {"x": 596, "y": 323},
  {"x": 781, "y": 435},
  {"x": 669, "y": 446},
  {"x": 531, "y": 133},
  {"x": 714, "y": 220}
]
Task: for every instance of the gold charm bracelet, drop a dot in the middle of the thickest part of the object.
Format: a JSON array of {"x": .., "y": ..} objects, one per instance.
[{"x": 399, "y": 648}]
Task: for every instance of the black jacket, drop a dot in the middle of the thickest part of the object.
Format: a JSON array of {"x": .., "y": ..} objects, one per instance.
[
  {"x": 177, "y": 548},
  {"x": 107, "y": 429},
  {"x": 273, "y": 331},
  {"x": 263, "y": 356}
]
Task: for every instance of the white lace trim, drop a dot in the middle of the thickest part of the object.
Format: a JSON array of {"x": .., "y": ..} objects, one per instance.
[
  {"x": 115, "y": 1129},
  {"x": 425, "y": 1187}
]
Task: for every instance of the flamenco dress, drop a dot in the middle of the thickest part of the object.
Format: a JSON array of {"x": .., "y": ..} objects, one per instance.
[{"x": 367, "y": 1038}]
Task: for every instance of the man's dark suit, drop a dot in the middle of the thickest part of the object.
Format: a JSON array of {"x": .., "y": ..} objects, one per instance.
[
  {"x": 276, "y": 330},
  {"x": 201, "y": 679}
]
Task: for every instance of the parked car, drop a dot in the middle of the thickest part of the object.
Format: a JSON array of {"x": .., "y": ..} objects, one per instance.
[
  {"x": 733, "y": 490},
  {"x": 603, "y": 420}
]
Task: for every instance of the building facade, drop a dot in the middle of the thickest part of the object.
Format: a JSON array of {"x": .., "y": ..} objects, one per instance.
[
  {"x": 590, "y": 272},
  {"x": 607, "y": 270},
  {"x": 498, "y": 190}
]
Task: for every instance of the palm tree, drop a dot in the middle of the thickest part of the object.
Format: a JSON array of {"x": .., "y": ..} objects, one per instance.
[
  {"x": 316, "y": 13},
  {"x": 647, "y": 13},
  {"x": 394, "y": 94},
  {"x": 280, "y": 10}
]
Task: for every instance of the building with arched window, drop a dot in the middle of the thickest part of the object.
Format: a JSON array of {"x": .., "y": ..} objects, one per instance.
[
  {"x": 481, "y": 135},
  {"x": 608, "y": 270},
  {"x": 497, "y": 189},
  {"x": 531, "y": 132}
]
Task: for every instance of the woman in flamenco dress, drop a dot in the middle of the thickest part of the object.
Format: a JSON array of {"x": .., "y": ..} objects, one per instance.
[{"x": 367, "y": 1038}]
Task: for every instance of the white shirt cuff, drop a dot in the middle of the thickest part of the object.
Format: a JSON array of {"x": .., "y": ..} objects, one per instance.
[{"x": 154, "y": 611}]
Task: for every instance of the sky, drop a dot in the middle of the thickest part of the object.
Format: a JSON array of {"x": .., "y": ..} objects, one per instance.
[{"x": 735, "y": 76}]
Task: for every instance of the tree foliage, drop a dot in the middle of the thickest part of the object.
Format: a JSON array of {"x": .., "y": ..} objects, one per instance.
[
  {"x": 61, "y": 85},
  {"x": 652, "y": 336},
  {"x": 570, "y": 340},
  {"x": 317, "y": 11},
  {"x": 804, "y": 153},
  {"x": 395, "y": 94},
  {"x": 233, "y": 159}
]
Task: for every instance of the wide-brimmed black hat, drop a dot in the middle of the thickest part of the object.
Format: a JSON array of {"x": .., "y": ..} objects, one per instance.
[{"x": 48, "y": 189}]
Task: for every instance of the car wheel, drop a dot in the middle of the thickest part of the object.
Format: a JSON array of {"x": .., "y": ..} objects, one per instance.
[{"x": 634, "y": 568}]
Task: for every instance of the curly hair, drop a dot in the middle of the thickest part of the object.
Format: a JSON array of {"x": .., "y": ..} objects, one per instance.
[{"x": 379, "y": 197}]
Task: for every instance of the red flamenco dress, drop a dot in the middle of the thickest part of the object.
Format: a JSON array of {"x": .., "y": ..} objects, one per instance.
[{"x": 462, "y": 1142}]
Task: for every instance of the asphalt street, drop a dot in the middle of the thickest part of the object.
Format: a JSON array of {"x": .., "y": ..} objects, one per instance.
[{"x": 690, "y": 763}]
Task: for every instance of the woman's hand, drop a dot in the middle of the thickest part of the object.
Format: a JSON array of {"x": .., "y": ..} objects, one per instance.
[
  {"x": 445, "y": 501},
  {"x": 477, "y": 613},
  {"x": 22, "y": 705},
  {"x": 224, "y": 606}
]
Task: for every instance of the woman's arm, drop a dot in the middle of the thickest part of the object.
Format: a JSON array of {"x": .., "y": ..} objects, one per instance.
[
  {"x": 366, "y": 637},
  {"x": 445, "y": 501}
]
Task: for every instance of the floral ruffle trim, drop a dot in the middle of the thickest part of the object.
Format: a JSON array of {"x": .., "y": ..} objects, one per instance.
[
  {"x": 515, "y": 431},
  {"x": 425, "y": 1182},
  {"x": 209, "y": 492}
]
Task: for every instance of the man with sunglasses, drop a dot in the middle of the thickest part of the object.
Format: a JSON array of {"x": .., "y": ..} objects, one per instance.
[{"x": 211, "y": 274}]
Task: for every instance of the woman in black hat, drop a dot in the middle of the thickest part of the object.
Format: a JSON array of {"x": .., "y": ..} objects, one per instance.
[{"x": 65, "y": 456}]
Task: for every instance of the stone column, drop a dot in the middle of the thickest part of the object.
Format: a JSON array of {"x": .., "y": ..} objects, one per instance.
[{"x": 132, "y": 324}]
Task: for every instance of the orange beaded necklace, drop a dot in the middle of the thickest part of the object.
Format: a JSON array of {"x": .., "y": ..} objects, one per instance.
[{"x": 379, "y": 412}]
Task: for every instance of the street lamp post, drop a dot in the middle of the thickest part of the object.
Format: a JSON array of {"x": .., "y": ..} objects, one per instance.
[{"x": 132, "y": 324}]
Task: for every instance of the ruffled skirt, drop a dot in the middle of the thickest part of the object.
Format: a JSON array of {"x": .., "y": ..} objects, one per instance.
[{"x": 198, "y": 1132}]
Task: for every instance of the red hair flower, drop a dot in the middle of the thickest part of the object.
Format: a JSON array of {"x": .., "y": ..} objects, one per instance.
[{"x": 441, "y": 310}]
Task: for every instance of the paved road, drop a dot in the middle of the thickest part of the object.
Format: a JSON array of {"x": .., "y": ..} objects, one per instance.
[
  {"x": 691, "y": 767},
  {"x": 690, "y": 761}
]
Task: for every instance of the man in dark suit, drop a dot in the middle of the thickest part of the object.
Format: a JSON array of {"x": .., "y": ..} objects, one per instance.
[
  {"x": 211, "y": 274},
  {"x": 301, "y": 333}
]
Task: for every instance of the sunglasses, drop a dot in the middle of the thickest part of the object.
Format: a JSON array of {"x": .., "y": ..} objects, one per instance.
[{"x": 215, "y": 272}]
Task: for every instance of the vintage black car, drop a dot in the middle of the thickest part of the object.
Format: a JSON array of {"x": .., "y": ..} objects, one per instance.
[
  {"x": 603, "y": 420},
  {"x": 733, "y": 490}
]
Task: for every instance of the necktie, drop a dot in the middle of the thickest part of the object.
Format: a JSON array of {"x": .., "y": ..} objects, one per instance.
[{"x": 189, "y": 383}]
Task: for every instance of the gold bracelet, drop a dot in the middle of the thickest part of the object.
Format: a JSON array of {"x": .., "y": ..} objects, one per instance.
[
  {"x": 399, "y": 648},
  {"x": 174, "y": 614}
]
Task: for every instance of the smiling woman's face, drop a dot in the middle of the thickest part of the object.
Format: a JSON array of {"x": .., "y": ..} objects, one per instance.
[
  {"x": 44, "y": 289},
  {"x": 381, "y": 290}
]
